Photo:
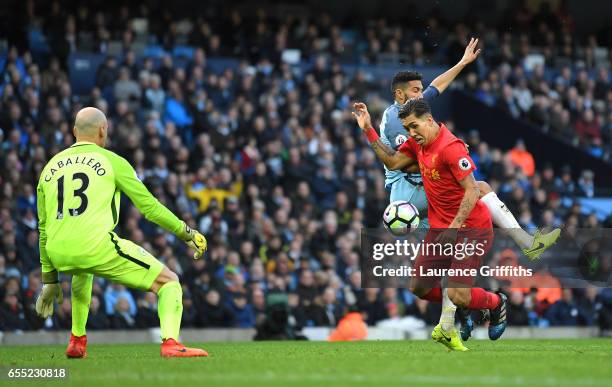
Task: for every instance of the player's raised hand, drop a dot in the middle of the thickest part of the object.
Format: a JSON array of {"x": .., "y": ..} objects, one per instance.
[
  {"x": 362, "y": 115},
  {"x": 46, "y": 299},
  {"x": 471, "y": 53}
]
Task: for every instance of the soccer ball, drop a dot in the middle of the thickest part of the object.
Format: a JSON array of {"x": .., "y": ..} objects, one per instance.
[{"x": 401, "y": 217}]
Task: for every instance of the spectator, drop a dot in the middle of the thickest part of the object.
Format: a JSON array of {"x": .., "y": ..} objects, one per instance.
[
  {"x": 122, "y": 317},
  {"x": 146, "y": 316},
  {"x": 190, "y": 313},
  {"x": 28, "y": 249},
  {"x": 605, "y": 313},
  {"x": 586, "y": 185},
  {"x": 34, "y": 322},
  {"x": 259, "y": 305},
  {"x": 107, "y": 73},
  {"x": 97, "y": 319},
  {"x": 523, "y": 96},
  {"x": 112, "y": 295},
  {"x": 306, "y": 289},
  {"x": 314, "y": 314},
  {"x": 242, "y": 311},
  {"x": 154, "y": 95},
  {"x": 63, "y": 316},
  {"x": 565, "y": 312},
  {"x": 175, "y": 109},
  {"x": 587, "y": 127},
  {"x": 331, "y": 306},
  {"x": 508, "y": 102},
  {"x": 520, "y": 157},
  {"x": 483, "y": 93},
  {"x": 125, "y": 88},
  {"x": 564, "y": 185},
  {"x": 11, "y": 311},
  {"x": 517, "y": 313},
  {"x": 373, "y": 307},
  {"x": 325, "y": 188},
  {"x": 214, "y": 314},
  {"x": 429, "y": 312},
  {"x": 588, "y": 305}
]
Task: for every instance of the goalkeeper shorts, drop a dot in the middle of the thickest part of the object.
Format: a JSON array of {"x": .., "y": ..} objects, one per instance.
[{"x": 129, "y": 264}]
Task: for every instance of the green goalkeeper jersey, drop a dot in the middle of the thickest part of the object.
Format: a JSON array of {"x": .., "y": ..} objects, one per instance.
[{"x": 78, "y": 205}]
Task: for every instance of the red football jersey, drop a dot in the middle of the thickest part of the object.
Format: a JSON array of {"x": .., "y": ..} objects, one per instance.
[{"x": 443, "y": 163}]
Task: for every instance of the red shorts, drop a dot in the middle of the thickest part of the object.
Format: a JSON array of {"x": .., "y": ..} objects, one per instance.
[{"x": 459, "y": 262}]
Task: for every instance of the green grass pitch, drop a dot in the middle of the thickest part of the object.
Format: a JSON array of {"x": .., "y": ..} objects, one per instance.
[{"x": 373, "y": 363}]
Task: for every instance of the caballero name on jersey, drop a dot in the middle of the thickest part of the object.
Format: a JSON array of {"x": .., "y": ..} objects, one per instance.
[{"x": 73, "y": 160}]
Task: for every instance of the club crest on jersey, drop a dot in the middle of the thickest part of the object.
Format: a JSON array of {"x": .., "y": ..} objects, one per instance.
[
  {"x": 464, "y": 164},
  {"x": 400, "y": 139}
]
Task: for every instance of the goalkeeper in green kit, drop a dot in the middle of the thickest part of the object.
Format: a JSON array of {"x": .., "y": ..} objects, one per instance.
[{"x": 78, "y": 207}]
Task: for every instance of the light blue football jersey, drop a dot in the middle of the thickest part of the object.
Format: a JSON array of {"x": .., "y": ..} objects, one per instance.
[{"x": 393, "y": 134}]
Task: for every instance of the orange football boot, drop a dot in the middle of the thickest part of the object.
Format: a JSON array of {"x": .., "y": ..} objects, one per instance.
[
  {"x": 77, "y": 347},
  {"x": 172, "y": 348}
]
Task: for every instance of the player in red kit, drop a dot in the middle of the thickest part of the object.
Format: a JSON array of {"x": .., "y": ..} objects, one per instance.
[
  {"x": 454, "y": 210},
  {"x": 446, "y": 166}
]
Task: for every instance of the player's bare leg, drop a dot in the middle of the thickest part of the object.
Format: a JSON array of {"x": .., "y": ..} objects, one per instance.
[
  {"x": 532, "y": 245},
  {"x": 170, "y": 310},
  {"x": 80, "y": 298}
]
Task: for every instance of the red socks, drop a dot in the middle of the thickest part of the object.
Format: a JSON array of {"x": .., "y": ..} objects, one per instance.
[
  {"x": 435, "y": 295},
  {"x": 481, "y": 299}
]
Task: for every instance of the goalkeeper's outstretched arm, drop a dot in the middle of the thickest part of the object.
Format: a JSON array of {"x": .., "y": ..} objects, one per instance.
[{"x": 128, "y": 182}]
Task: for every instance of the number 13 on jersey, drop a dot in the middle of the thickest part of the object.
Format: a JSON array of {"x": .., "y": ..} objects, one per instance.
[{"x": 78, "y": 192}]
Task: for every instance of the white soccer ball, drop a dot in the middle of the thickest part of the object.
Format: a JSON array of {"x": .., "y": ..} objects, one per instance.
[{"x": 401, "y": 217}]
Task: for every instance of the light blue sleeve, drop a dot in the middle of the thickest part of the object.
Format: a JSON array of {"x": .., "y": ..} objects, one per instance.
[
  {"x": 392, "y": 131},
  {"x": 383, "y": 126},
  {"x": 392, "y": 134}
]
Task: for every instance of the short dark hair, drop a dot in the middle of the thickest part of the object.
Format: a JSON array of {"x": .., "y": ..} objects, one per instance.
[
  {"x": 418, "y": 107},
  {"x": 404, "y": 77}
]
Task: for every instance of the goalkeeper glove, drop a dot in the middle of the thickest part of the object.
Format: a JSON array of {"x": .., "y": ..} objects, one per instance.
[
  {"x": 46, "y": 298},
  {"x": 194, "y": 239}
]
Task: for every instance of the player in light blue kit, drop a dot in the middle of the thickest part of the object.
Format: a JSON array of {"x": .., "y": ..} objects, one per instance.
[{"x": 407, "y": 185}]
